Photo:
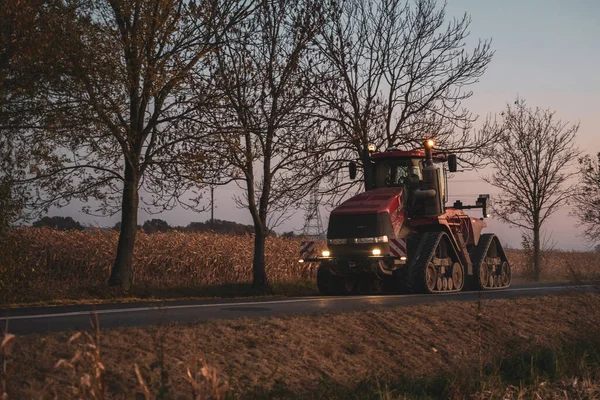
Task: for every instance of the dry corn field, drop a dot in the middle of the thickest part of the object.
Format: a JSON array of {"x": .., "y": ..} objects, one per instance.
[
  {"x": 36, "y": 258},
  {"x": 42, "y": 259}
]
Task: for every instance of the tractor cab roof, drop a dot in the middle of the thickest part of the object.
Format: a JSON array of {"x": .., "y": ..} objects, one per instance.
[{"x": 395, "y": 153}]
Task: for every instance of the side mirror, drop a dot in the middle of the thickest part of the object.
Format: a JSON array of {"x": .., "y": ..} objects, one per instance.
[
  {"x": 482, "y": 201},
  {"x": 452, "y": 162},
  {"x": 352, "y": 169}
]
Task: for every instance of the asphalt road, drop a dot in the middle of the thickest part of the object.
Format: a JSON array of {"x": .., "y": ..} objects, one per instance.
[{"x": 68, "y": 318}]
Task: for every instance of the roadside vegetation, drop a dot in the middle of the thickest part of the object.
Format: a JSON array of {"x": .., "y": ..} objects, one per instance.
[
  {"x": 47, "y": 266},
  {"x": 103, "y": 101},
  {"x": 548, "y": 351}
]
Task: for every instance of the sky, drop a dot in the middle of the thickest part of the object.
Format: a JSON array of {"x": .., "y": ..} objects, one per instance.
[{"x": 546, "y": 52}]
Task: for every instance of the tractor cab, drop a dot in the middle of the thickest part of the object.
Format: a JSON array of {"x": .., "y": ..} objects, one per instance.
[{"x": 397, "y": 168}]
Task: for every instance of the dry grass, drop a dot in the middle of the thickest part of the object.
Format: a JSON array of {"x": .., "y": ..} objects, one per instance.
[
  {"x": 45, "y": 265},
  {"x": 526, "y": 346},
  {"x": 84, "y": 373},
  {"x": 560, "y": 266},
  {"x": 6, "y": 345}
]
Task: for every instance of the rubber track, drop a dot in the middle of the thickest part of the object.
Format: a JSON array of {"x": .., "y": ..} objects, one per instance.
[
  {"x": 479, "y": 254},
  {"x": 328, "y": 283},
  {"x": 416, "y": 270}
]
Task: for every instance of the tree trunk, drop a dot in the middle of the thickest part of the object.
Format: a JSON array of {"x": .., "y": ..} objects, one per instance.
[
  {"x": 122, "y": 272},
  {"x": 259, "y": 273},
  {"x": 537, "y": 268}
]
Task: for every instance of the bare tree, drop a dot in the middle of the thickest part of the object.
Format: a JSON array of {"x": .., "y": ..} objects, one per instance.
[
  {"x": 274, "y": 148},
  {"x": 587, "y": 198},
  {"x": 399, "y": 73},
  {"x": 532, "y": 162},
  {"x": 123, "y": 116}
]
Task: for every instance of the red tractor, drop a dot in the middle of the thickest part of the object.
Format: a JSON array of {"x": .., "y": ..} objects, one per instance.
[{"x": 399, "y": 236}]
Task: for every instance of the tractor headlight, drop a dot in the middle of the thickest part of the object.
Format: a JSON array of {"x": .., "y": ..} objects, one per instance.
[
  {"x": 376, "y": 252},
  {"x": 378, "y": 239},
  {"x": 326, "y": 253}
]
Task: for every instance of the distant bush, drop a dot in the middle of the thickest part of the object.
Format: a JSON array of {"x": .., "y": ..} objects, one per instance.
[
  {"x": 220, "y": 226},
  {"x": 58, "y": 223},
  {"x": 156, "y": 225}
]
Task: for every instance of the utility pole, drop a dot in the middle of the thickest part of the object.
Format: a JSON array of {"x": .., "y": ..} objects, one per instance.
[{"x": 212, "y": 205}]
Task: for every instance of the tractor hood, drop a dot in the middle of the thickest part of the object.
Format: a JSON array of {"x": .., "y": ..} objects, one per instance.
[
  {"x": 374, "y": 201},
  {"x": 374, "y": 213}
]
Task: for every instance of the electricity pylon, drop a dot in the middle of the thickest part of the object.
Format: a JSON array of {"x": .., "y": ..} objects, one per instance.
[{"x": 313, "y": 225}]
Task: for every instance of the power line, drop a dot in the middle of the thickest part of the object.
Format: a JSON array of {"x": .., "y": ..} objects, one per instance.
[
  {"x": 471, "y": 194},
  {"x": 466, "y": 180}
]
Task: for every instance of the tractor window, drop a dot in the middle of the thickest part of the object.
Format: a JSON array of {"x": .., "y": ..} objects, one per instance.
[{"x": 393, "y": 173}]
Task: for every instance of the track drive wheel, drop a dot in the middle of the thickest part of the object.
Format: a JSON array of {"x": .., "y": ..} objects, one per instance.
[
  {"x": 458, "y": 276},
  {"x": 431, "y": 278},
  {"x": 484, "y": 275}
]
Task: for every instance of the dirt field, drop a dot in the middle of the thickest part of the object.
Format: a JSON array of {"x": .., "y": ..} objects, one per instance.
[
  {"x": 452, "y": 350},
  {"x": 44, "y": 266}
]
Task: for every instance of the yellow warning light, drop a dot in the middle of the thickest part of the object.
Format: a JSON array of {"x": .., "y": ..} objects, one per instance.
[
  {"x": 430, "y": 143},
  {"x": 371, "y": 148}
]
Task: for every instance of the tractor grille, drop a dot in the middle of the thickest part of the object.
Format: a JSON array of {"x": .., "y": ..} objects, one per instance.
[{"x": 359, "y": 225}]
